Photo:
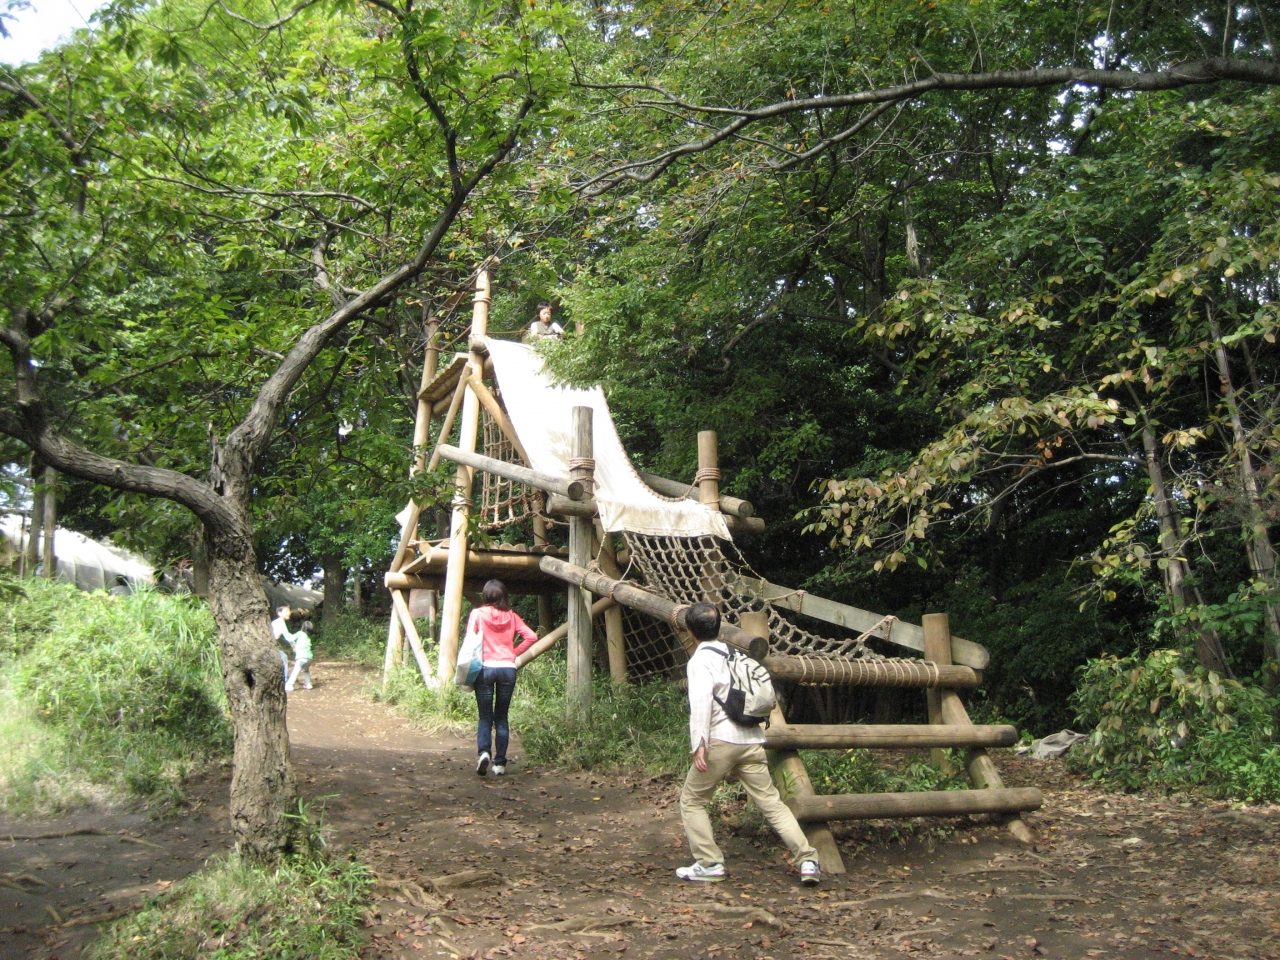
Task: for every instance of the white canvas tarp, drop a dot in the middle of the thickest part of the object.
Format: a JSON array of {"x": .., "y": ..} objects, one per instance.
[
  {"x": 88, "y": 564},
  {"x": 542, "y": 414}
]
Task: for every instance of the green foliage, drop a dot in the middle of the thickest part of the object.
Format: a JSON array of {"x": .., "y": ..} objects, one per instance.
[
  {"x": 1161, "y": 721},
  {"x": 352, "y": 637},
  {"x": 863, "y": 771},
  {"x": 305, "y": 909},
  {"x": 125, "y": 691},
  {"x": 432, "y": 708}
]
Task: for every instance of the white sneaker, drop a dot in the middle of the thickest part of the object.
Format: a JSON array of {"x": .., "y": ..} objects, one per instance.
[
  {"x": 810, "y": 873},
  {"x": 499, "y": 769},
  {"x": 288, "y": 689},
  {"x": 711, "y": 874},
  {"x": 482, "y": 765}
]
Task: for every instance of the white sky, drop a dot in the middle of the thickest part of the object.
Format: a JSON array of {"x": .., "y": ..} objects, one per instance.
[{"x": 41, "y": 27}]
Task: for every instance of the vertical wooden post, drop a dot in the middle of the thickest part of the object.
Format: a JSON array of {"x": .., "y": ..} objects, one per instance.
[
  {"x": 455, "y": 571},
  {"x": 937, "y": 647},
  {"x": 708, "y": 469},
  {"x": 544, "y": 599},
  {"x": 50, "y": 523},
  {"x": 613, "y": 616},
  {"x": 395, "y": 644},
  {"x": 978, "y": 765},
  {"x": 581, "y": 467},
  {"x": 31, "y": 549}
]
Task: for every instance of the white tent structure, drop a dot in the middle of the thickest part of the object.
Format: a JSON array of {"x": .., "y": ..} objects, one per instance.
[{"x": 88, "y": 564}]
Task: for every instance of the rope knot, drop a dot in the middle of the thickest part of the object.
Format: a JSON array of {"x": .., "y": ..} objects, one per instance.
[
  {"x": 706, "y": 473},
  {"x": 582, "y": 463}
]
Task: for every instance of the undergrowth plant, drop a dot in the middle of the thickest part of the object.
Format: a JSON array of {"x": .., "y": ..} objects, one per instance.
[
  {"x": 352, "y": 637},
  {"x": 863, "y": 771},
  {"x": 307, "y": 908},
  {"x": 122, "y": 693},
  {"x": 1160, "y": 720}
]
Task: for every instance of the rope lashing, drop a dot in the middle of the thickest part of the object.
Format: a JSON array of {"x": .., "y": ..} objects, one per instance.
[
  {"x": 676, "y": 614},
  {"x": 706, "y": 473},
  {"x": 582, "y": 463}
]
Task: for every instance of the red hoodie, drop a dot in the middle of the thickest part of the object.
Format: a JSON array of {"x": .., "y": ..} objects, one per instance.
[{"x": 497, "y": 631}]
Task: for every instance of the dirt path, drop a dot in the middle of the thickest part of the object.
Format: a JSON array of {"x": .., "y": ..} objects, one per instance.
[{"x": 586, "y": 863}]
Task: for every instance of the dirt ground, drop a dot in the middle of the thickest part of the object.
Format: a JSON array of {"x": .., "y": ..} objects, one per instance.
[{"x": 544, "y": 864}]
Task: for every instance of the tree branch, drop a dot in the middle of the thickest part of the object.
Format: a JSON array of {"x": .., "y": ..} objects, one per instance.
[{"x": 1192, "y": 73}]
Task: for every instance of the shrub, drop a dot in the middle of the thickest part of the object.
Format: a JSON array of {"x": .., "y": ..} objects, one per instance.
[
  {"x": 305, "y": 909},
  {"x": 862, "y": 771},
  {"x": 128, "y": 690},
  {"x": 1160, "y": 720},
  {"x": 352, "y": 637}
]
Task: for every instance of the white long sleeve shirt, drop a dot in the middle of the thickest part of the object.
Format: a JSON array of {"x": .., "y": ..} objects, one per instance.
[{"x": 708, "y": 674}]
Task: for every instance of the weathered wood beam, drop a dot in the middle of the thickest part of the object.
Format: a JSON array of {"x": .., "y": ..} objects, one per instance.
[
  {"x": 844, "y": 672},
  {"x": 571, "y": 491},
  {"x": 894, "y": 736},
  {"x": 589, "y": 508},
  {"x": 560, "y": 632},
  {"x": 930, "y": 803},
  {"x": 734, "y": 507}
]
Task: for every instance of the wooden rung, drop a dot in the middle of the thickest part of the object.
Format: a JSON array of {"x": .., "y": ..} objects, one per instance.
[
  {"x": 932, "y": 803},
  {"x": 893, "y": 735}
]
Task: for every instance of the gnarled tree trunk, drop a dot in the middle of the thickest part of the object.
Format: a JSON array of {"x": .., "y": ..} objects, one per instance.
[{"x": 335, "y": 586}]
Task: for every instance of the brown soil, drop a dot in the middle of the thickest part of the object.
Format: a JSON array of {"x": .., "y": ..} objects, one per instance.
[{"x": 585, "y": 864}]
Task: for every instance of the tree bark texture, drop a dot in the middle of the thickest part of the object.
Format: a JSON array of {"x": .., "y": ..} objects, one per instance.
[{"x": 335, "y": 586}]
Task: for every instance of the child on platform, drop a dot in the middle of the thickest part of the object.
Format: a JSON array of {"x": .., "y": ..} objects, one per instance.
[
  {"x": 722, "y": 748},
  {"x": 301, "y": 658}
]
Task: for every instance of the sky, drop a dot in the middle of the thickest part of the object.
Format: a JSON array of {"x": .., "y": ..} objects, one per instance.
[{"x": 42, "y": 26}]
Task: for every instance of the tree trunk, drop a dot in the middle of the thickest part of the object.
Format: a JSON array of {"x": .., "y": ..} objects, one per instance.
[
  {"x": 1257, "y": 535},
  {"x": 263, "y": 788},
  {"x": 31, "y": 549},
  {"x": 1208, "y": 646},
  {"x": 335, "y": 586},
  {"x": 48, "y": 557}
]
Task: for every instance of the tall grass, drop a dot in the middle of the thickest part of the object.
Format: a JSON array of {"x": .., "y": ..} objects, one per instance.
[
  {"x": 115, "y": 693},
  {"x": 305, "y": 909},
  {"x": 352, "y": 637}
]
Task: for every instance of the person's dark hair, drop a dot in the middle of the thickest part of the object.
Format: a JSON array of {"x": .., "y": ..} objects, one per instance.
[
  {"x": 280, "y": 610},
  {"x": 545, "y": 306},
  {"x": 495, "y": 595},
  {"x": 703, "y": 621},
  {"x": 308, "y": 626}
]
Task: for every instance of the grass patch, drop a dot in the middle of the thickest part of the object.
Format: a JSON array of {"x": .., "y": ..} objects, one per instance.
[
  {"x": 305, "y": 909},
  {"x": 105, "y": 695},
  {"x": 863, "y": 771},
  {"x": 352, "y": 637}
]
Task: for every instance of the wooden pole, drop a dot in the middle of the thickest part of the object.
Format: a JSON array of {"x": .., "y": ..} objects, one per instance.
[
  {"x": 924, "y": 803},
  {"x": 674, "y": 488},
  {"x": 491, "y": 404},
  {"x": 544, "y": 600},
  {"x": 31, "y": 549},
  {"x": 614, "y": 634},
  {"x": 459, "y": 392},
  {"x": 889, "y": 736},
  {"x": 455, "y": 574},
  {"x": 582, "y": 468},
  {"x": 937, "y": 647},
  {"x": 549, "y": 483},
  {"x": 559, "y": 633},
  {"x": 401, "y": 609},
  {"x": 708, "y": 469},
  {"x": 979, "y": 766},
  {"x": 395, "y": 641},
  {"x": 50, "y": 523}
]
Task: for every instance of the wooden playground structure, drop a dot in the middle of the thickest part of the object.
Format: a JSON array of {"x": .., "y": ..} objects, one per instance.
[{"x": 627, "y": 591}]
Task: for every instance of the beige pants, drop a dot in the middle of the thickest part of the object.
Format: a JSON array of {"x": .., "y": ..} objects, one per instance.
[{"x": 747, "y": 761}]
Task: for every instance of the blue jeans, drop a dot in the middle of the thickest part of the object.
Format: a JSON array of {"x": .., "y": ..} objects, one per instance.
[{"x": 494, "y": 688}]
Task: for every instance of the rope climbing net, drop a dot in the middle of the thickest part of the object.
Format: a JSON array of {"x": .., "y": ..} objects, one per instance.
[
  {"x": 502, "y": 501},
  {"x": 693, "y": 569}
]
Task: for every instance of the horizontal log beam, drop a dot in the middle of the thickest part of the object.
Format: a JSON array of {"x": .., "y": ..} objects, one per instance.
[
  {"x": 587, "y": 507},
  {"x": 894, "y": 736},
  {"x": 674, "y": 488},
  {"x": 474, "y": 586},
  {"x": 443, "y": 383},
  {"x": 933, "y": 803},
  {"x": 571, "y": 490},
  {"x": 655, "y": 606},
  {"x": 559, "y": 633},
  {"x": 844, "y": 672},
  {"x": 909, "y": 635},
  {"x": 480, "y": 566}
]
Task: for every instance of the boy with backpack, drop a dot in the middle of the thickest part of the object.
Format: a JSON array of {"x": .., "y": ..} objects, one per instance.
[{"x": 718, "y": 687}]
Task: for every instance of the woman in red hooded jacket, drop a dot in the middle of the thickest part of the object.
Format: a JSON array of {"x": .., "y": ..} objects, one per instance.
[{"x": 498, "y": 625}]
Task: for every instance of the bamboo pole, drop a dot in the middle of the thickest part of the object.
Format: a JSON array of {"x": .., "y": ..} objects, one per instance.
[
  {"x": 567, "y": 488},
  {"x": 582, "y": 468},
  {"x": 559, "y": 633},
  {"x": 614, "y": 634},
  {"x": 455, "y": 574},
  {"x": 401, "y": 608},
  {"x": 979, "y": 766}
]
